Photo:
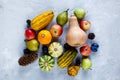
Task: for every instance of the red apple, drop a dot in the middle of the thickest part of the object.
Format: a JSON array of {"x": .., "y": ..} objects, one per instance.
[
  {"x": 85, "y": 50},
  {"x": 29, "y": 34},
  {"x": 85, "y": 25},
  {"x": 56, "y": 30}
]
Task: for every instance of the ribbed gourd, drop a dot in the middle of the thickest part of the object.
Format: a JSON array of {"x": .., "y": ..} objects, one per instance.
[
  {"x": 67, "y": 58},
  {"x": 73, "y": 70},
  {"x": 55, "y": 49},
  {"x": 46, "y": 63},
  {"x": 42, "y": 20}
]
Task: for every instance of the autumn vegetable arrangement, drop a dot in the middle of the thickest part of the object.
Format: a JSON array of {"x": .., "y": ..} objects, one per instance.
[{"x": 36, "y": 34}]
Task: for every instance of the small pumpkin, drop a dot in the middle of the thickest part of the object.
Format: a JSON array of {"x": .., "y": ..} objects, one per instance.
[
  {"x": 73, "y": 70},
  {"x": 44, "y": 37},
  {"x": 55, "y": 49},
  {"x": 46, "y": 63}
]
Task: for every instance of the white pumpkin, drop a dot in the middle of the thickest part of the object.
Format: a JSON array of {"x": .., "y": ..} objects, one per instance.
[{"x": 55, "y": 49}]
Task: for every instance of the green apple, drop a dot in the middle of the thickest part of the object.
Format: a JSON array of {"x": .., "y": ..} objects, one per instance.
[
  {"x": 32, "y": 45},
  {"x": 79, "y": 13},
  {"x": 86, "y": 63}
]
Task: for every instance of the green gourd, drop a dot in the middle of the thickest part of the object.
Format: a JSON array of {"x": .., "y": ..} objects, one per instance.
[{"x": 46, "y": 63}]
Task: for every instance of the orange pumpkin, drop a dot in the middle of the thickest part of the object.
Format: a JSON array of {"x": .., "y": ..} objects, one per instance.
[{"x": 44, "y": 37}]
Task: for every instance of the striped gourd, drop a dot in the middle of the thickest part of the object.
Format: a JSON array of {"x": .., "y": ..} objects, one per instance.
[
  {"x": 55, "y": 49},
  {"x": 42, "y": 20},
  {"x": 67, "y": 58},
  {"x": 46, "y": 63}
]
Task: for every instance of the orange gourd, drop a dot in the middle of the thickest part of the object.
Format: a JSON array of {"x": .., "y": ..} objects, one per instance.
[{"x": 44, "y": 37}]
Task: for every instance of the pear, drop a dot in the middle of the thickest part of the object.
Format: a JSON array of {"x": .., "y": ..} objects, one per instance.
[
  {"x": 79, "y": 13},
  {"x": 62, "y": 18},
  {"x": 86, "y": 63},
  {"x": 32, "y": 45}
]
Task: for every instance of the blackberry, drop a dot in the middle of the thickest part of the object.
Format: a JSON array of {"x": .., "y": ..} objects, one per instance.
[
  {"x": 27, "y": 51},
  {"x": 44, "y": 49},
  {"x": 67, "y": 47},
  {"x": 78, "y": 61},
  {"x": 91, "y": 36},
  {"x": 28, "y": 22}
]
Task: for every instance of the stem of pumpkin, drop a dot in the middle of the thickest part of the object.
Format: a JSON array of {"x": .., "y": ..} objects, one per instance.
[
  {"x": 55, "y": 49},
  {"x": 43, "y": 35}
]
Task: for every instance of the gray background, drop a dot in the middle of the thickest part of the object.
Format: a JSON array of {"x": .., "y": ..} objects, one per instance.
[{"x": 104, "y": 16}]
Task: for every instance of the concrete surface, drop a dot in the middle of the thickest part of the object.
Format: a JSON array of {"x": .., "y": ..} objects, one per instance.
[{"x": 104, "y": 16}]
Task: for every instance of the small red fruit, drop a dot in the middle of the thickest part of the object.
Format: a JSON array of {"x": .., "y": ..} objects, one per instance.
[
  {"x": 85, "y": 50},
  {"x": 56, "y": 30},
  {"x": 29, "y": 34},
  {"x": 85, "y": 25}
]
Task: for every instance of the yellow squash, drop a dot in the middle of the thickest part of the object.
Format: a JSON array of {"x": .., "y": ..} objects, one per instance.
[{"x": 42, "y": 20}]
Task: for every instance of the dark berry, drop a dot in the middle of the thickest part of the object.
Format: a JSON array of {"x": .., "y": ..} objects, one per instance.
[
  {"x": 91, "y": 36},
  {"x": 44, "y": 49},
  {"x": 67, "y": 47},
  {"x": 28, "y": 22},
  {"x": 26, "y": 51},
  {"x": 78, "y": 61},
  {"x": 95, "y": 45},
  {"x": 94, "y": 49}
]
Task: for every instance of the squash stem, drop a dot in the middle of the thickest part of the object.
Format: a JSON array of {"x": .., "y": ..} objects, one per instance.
[{"x": 43, "y": 35}]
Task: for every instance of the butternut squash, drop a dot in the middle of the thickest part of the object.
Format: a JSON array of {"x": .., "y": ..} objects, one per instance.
[{"x": 75, "y": 36}]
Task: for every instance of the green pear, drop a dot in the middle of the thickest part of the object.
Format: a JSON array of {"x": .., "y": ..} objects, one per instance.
[
  {"x": 62, "y": 18},
  {"x": 86, "y": 63},
  {"x": 79, "y": 13},
  {"x": 32, "y": 45}
]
